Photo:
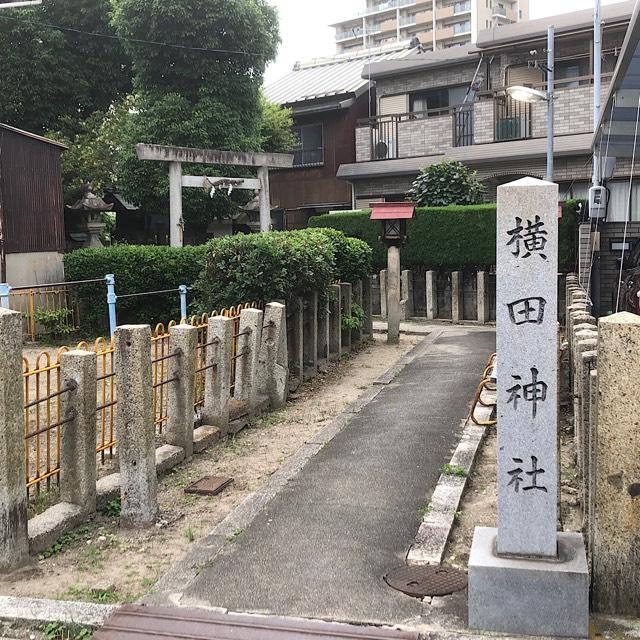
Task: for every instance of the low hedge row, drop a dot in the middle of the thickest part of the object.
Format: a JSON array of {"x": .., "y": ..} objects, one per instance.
[
  {"x": 221, "y": 273},
  {"x": 454, "y": 237},
  {"x": 136, "y": 268}
]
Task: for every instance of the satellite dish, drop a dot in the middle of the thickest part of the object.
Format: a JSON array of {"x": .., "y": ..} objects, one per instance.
[
  {"x": 14, "y": 4},
  {"x": 382, "y": 150}
]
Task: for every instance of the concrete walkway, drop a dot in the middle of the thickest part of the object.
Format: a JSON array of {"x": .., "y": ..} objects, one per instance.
[{"x": 320, "y": 548}]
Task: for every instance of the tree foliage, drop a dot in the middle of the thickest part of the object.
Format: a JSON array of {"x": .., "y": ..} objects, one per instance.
[
  {"x": 445, "y": 183},
  {"x": 94, "y": 153},
  {"x": 209, "y": 97},
  {"x": 53, "y": 79},
  {"x": 276, "y": 124}
]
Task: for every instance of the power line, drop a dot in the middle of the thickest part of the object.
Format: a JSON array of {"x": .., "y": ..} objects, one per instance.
[{"x": 132, "y": 40}]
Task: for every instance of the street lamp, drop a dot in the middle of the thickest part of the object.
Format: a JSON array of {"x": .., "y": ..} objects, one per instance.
[
  {"x": 528, "y": 95},
  {"x": 393, "y": 216}
]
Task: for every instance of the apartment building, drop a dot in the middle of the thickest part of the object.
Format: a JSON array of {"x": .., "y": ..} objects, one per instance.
[
  {"x": 452, "y": 104},
  {"x": 438, "y": 24}
]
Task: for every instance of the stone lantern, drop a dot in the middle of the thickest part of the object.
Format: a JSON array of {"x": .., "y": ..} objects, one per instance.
[
  {"x": 393, "y": 216},
  {"x": 84, "y": 220}
]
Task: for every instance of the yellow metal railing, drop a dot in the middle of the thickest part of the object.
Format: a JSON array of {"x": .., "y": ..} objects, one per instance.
[
  {"x": 487, "y": 383},
  {"x": 42, "y": 393},
  {"x": 36, "y": 300}
]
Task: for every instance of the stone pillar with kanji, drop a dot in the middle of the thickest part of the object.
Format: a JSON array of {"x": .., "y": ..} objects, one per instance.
[{"x": 525, "y": 577}]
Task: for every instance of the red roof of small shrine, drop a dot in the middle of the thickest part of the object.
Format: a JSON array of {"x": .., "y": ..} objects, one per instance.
[{"x": 392, "y": 210}]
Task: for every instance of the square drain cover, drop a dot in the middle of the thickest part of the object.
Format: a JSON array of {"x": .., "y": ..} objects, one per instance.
[{"x": 209, "y": 486}]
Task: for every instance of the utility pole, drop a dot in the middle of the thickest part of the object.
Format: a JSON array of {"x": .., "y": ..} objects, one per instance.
[
  {"x": 551, "y": 79},
  {"x": 597, "y": 82}
]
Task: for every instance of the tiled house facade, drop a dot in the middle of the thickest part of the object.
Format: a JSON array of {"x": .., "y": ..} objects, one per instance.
[{"x": 474, "y": 121}]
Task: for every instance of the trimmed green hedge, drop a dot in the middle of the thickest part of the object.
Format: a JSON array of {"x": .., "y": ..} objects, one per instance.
[
  {"x": 136, "y": 268},
  {"x": 222, "y": 273},
  {"x": 454, "y": 237}
]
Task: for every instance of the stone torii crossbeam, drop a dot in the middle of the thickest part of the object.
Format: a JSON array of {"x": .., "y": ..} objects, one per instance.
[{"x": 176, "y": 156}]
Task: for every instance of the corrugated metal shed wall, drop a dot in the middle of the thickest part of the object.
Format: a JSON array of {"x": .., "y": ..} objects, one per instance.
[{"x": 31, "y": 194}]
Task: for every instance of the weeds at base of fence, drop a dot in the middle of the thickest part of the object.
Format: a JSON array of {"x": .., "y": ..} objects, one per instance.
[
  {"x": 64, "y": 542},
  {"x": 61, "y": 631},
  {"x": 113, "y": 508},
  {"x": 107, "y": 595}
]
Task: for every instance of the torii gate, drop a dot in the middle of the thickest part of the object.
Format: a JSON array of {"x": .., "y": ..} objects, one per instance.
[{"x": 175, "y": 156}]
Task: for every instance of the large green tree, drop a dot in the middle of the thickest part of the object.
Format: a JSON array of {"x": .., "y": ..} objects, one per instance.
[
  {"x": 54, "y": 78},
  {"x": 199, "y": 88}
]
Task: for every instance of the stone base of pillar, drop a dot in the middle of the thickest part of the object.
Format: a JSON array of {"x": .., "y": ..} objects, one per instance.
[{"x": 527, "y": 596}]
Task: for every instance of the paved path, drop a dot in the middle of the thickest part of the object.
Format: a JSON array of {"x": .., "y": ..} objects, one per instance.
[{"x": 321, "y": 546}]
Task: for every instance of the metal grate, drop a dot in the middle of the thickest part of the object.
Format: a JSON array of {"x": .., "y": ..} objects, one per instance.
[{"x": 427, "y": 580}]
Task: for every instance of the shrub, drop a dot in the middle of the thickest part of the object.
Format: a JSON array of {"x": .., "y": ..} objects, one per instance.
[
  {"x": 353, "y": 257},
  {"x": 136, "y": 269},
  {"x": 269, "y": 266},
  {"x": 450, "y": 238},
  {"x": 448, "y": 182},
  {"x": 224, "y": 272}
]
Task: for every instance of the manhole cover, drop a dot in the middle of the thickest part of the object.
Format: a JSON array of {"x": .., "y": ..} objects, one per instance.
[
  {"x": 209, "y": 486},
  {"x": 428, "y": 580}
]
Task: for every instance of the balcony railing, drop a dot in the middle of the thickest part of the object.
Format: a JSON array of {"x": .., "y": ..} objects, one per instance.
[
  {"x": 493, "y": 118},
  {"x": 512, "y": 119},
  {"x": 348, "y": 34},
  {"x": 389, "y": 4},
  {"x": 385, "y": 130}
]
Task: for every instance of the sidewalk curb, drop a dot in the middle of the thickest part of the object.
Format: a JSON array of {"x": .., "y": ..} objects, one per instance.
[
  {"x": 169, "y": 589},
  {"x": 433, "y": 534},
  {"x": 36, "y": 611}
]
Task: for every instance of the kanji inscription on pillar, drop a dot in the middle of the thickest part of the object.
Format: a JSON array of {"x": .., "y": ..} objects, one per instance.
[{"x": 526, "y": 314}]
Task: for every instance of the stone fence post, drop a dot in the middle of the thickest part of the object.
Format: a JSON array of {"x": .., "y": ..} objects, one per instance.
[
  {"x": 457, "y": 304},
  {"x": 335, "y": 322},
  {"x": 383, "y": 294},
  {"x": 356, "y": 334},
  {"x": 323, "y": 336},
  {"x": 406, "y": 295},
  {"x": 78, "y": 437},
  {"x": 367, "y": 305},
  {"x": 249, "y": 340},
  {"x": 432, "y": 295},
  {"x": 483, "y": 297},
  {"x": 347, "y": 297},
  {"x": 296, "y": 349},
  {"x": 273, "y": 362},
  {"x": 616, "y": 551},
  {"x": 310, "y": 336},
  {"x": 183, "y": 343},
  {"x": 14, "y": 542},
  {"x": 217, "y": 378},
  {"x": 134, "y": 427}
]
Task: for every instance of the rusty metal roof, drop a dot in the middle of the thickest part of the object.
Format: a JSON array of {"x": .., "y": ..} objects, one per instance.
[
  {"x": 136, "y": 622},
  {"x": 329, "y": 77},
  {"x": 34, "y": 136}
]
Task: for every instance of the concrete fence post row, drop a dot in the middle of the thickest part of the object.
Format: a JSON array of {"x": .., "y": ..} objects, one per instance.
[
  {"x": 261, "y": 376},
  {"x": 432, "y": 309},
  {"x": 604, "y": 362},
  {"x": 318, "y": 334}
]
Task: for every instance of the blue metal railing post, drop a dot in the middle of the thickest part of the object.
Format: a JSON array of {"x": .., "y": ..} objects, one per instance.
[
  {"x": 183, "y": 301},
  {"x": 5, "y": 290},
  {"x": 111, "y": 302}
]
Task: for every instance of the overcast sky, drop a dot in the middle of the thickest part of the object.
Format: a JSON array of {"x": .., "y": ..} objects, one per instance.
[{"x": 305, "y": 32}]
